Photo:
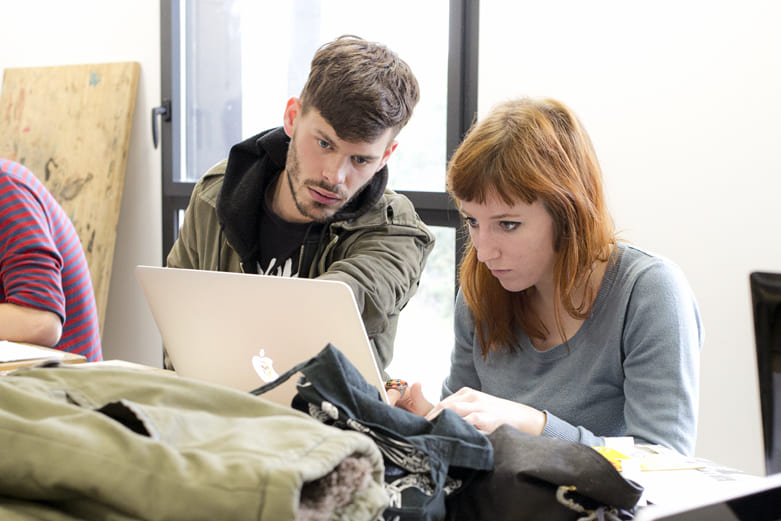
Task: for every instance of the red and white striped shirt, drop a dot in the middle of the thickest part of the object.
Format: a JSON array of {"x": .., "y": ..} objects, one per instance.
[{"x": 42, "y": 263}]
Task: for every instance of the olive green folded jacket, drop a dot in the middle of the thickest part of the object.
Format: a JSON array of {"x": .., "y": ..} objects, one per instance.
[{"x": 116, "y": 444}]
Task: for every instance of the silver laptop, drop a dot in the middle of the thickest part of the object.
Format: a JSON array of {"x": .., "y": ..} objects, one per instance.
[
  {"x": 243, "y": 330},
  {"x": 760, "y": 501}
]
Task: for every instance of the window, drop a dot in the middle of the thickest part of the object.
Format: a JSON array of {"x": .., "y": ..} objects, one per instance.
[{"x": 229, "y": 66}]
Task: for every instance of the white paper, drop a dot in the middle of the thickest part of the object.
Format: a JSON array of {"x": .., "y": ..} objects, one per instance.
[
  {"x": 12, "y": 352},
  {"x": 694, "y": 481}
]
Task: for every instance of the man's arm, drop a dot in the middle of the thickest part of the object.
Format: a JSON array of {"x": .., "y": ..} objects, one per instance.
[
  {"x": 32, "y": 307},
  {"x": 30, "y": 325},
  {"x": 183, "y": 254},
  {"x": 196, "y": 246},
  {"x": 383, "y": 264}
]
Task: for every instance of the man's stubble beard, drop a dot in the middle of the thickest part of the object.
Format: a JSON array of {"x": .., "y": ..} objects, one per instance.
[{"x": 293, "y": 173}]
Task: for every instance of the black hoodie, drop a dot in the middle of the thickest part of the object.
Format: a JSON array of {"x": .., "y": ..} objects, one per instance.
[{"x": 252, "y": 165}]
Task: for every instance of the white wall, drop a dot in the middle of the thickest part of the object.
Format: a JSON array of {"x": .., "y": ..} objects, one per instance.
[
  {"x": 681, "y": 99},
  {"x": 37, "y": 33}
]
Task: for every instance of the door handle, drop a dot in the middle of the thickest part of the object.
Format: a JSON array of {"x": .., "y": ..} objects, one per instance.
[{"x": 163, "y": 111}]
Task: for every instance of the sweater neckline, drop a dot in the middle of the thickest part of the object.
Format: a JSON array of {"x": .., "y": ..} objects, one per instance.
[{"x": 608, "y": 281}]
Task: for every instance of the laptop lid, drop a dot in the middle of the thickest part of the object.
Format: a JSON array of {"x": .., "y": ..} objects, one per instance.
[
  {"x": 759, "y": 502},
  {"x": 242, "y": 330},
  {"x": 766, "y": 307}
]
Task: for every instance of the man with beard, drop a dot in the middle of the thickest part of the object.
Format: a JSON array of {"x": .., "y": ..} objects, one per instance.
[{"x": 309, "y": 199}]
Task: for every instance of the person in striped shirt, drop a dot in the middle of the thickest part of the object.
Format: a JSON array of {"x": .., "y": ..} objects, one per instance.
[{"x": 46, "y": 294}]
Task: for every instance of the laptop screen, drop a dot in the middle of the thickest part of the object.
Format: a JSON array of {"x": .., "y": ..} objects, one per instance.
[
  {"x": 242, "y": 330},
  {"x": 766, "y": 305}
]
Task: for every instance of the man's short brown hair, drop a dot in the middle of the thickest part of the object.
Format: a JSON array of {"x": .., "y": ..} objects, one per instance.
[{"x": 360, "y": 88}]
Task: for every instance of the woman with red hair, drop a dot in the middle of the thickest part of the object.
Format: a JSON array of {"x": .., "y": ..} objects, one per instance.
[{"x": 561, "y": 330}]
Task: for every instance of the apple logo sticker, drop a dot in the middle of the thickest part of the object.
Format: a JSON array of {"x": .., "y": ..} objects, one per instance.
[{"x": 263, "y": 365}]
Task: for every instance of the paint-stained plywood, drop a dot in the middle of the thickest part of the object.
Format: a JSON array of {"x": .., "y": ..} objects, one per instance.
[{"x": 71, "y": 125}]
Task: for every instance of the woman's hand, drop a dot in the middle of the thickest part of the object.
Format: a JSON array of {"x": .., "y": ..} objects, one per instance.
[
  {"x": 411, "y": 400},
  {"x": 487, "y": 412}
]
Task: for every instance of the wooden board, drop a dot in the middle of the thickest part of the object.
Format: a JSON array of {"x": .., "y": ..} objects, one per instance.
[{"x": 71, "y": 126}]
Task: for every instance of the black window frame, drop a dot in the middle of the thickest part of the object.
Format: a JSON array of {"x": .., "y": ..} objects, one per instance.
[{"x": 434, "y": 208}]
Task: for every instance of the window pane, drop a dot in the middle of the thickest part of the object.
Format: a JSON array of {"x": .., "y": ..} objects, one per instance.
[
  {"x": 245, "y": 58},
  {"x": 424, "y": 338},
  {"x": 211, "y": 84}
]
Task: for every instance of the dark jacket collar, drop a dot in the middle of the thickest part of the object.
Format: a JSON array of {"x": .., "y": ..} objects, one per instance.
[{"x": 252, "y": 165}]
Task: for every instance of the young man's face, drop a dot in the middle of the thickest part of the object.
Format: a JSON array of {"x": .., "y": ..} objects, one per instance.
[{"x": 323, "y": 172}]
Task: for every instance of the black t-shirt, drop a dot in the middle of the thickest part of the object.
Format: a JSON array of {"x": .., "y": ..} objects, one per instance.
[{"x": 281, "y": 244}]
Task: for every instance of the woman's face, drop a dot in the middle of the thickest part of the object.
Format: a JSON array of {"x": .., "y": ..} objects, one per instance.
[{"x": 515, "y": 242}]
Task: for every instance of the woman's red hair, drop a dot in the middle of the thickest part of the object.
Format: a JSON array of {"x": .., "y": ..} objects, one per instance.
[{"x": 525, "y": 150}]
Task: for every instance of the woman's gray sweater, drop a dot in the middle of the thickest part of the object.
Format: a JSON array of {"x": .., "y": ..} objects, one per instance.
[{"x": 632, "y": 369}]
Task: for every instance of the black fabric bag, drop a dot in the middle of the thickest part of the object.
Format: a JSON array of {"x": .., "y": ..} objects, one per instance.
[
  {"x": 425, "y": 461},
  {"x": 538, "y": 478}
]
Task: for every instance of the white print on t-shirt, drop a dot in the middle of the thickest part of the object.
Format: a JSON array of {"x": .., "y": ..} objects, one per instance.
[{"x": 281, "y": 271}]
